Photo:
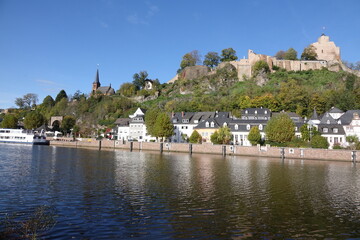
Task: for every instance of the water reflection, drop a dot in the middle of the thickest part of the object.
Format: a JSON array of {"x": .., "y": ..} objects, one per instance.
[{"x": 145, "y": 195}]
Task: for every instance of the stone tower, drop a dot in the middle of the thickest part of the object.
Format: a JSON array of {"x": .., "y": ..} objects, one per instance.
[
  {"x": 96, "y": 83},
  {"x": 326, "y": 50}
]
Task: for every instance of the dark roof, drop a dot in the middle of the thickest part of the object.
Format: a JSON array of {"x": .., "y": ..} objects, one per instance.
[
  {"x": 243, "y": 123},
  {"x": 347, "y": 117},
  {"x": 335, "y": 110},
  {"x": 314, "y": 115},
  {"x": 330, "y": 128},
  {"x": 293, "y": 116},
  {"x": 218, "y": 122},
  {"x": 122, "y": 121},
  {"x": 106, "y": 90},
  {"x": 258, "y": 112},
  {"x": 97, "y": 77},
  {"x": 327, "y": 119},
  {"x": 196, "y": 117}
]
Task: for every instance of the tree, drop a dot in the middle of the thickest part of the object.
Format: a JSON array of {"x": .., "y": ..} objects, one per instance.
[
  {"x": 212, "y": 59},
  {"x": 127, "y": 89},
  {"x": 139, "y": 79},
  {"x": 163, "y": 126},
  {"x": 260, "y": 66},
  {"x": 195, "y": 137},
  {"x": 290, "y": 54},
  {"x": 9, "y": 121},
  {"x": 62, "y": 94},
  {"x": 78, "y": 95},
  {"x": 309, "y": 53},
  {"x": 27, "y": 101},
  {"x": 33, "y": 120},
  {"x": 319, "y": 142},
  {"x": 221, "y": 136},
  {"x": 254, "y": 136},
  {"x": 67, "y": 123},
  {"x": 190, "y": 59},
  {"x": 280, "y": 129},
  {"x": 280, "y": 55},
  {"x": 48, "y": 102},
  {"x": 150, "y": 120},
  {"x": 228, "y": 55}
]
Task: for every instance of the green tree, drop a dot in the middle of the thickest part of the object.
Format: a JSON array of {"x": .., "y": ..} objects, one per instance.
[
  {"x": 254, "y": 136},
  {"x": 67, "y": 123},
  {"x": 150, "y": 120},
  {"x": 9, "y": 121},
  {"x": 290, "y": 54},
  {"x": 221, "y": 136},
  {"x": 62, "y": 94},
  {"x": 292, "y": 95},
  {"x": 163, "y": 126},
  {"x": 27, "y": 101},
  {"x": 260, "y": 66},
  {"x": 33, "y": 120},
  {"x": 127, "y": 89},
  {"x": 195, "y": 137},
  {"x": 139, "y": 79},
  {"x": 319, "y": 142},
  {"x": 280, "y": 129},
  {"x": 212, "y": 59},
  {"x": 190, "y": 59},
  {"x": 309, "y": 53},
  {"x": 228, "y": 55},
  {"x": 48, "y": 102}
]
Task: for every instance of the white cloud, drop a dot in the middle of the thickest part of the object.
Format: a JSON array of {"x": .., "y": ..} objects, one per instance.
[
  {"x": 46, "y": 82},
  {"x": 151, "y": 11},
  {"x": 135, "y": 19}
]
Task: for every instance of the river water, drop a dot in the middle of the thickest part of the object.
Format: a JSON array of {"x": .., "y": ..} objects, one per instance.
[{"x": 145, "y": 195}]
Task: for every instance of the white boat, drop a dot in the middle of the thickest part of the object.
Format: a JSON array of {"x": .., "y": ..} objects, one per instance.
[{"x": 8, "y": 135}]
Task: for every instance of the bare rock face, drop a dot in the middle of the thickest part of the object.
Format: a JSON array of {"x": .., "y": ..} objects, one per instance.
[{"x": 193, "y": 72}]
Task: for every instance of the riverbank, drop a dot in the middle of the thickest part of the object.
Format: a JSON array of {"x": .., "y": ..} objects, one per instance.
[{"x": 208, "y": 148}]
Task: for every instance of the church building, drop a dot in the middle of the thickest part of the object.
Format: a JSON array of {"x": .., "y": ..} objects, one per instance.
[{"x": 97, "y": 89}]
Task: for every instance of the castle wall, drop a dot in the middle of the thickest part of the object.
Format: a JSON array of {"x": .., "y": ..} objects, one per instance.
[{"x": 326, "y": 50}]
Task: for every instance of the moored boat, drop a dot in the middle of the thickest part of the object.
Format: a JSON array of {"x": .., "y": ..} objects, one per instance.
[{"x": 8, "y": 135}]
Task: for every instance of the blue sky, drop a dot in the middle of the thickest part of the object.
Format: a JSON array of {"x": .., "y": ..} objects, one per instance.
[{"x": 46, "y": 46}]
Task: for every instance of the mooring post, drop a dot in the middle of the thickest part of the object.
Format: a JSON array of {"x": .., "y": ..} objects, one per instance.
[
  {"x": 353, "y": 156},
  {"x": 282, "y": 153},
  {"x": 161, "y": 147},
  {"x": 224, "y": 151},
  {"x": 131, "y": 146},
  {"x": 190, "y": 148},
  {"x": 99, "y": 145}
]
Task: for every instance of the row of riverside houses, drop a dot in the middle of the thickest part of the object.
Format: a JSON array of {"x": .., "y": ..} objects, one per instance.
[{"x": 334, "y": 125}]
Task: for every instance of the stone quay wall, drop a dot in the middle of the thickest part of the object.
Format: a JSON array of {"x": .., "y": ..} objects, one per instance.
[{"x": 208, "y": 148}]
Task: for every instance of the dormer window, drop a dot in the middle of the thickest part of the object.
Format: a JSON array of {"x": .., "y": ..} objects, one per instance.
[
  {"x": 174, "y": 121},
  {"x": 335, "y": 130},
  {"x": 224, "y": 125},
  {"x": 328, "y": 121},
  {"x": 236, "y": 127},
  {"x": 265, "y": 111},
  {"x": 248, "y": 127},
  {"x": 212, "y": 124},
  {"x": 246, "y": 111},
  {"x": 255, "y": 111},
  {"x": 260, "y": 127},
  {"x": 207, "y": 124},
  {"x": 196, "y": 121},
  {"x": 185, "y": 120},
  {"x": 296, "y": 129},
  {"x": 325, "y": 130}
]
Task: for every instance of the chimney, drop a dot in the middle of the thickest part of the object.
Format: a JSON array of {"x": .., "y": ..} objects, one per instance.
[
  {"x": 172, "y": 114},
  {"x": 182, "y": 114}
]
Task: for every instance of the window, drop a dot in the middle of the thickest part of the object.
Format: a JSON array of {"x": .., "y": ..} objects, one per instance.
[
  {"x": 255, "y": 111},
  {"x": 260, "y": 127},
  {"x": 207, "y": 124},
  {"x": 335, "y": 130},
  {"x": 248, "y": 127},
  {"x": 185, "y": 120},
  {"x": 224, "y": 124},
  {"x": 246, "y": 111},
  {"x": 328, "y": 121},
  {"x": 296, "y": 129},
  {"x": 212, "y": 124},
  {"x": 265, "y": 111},
  {"x": 325, "y": 130},
  {"x": 236, "y": 127}
]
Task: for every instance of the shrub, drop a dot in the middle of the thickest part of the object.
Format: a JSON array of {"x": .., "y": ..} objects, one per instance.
[{"x": 319, "y": 142}]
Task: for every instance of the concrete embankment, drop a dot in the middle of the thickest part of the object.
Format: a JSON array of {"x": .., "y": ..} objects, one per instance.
[{"x": 208, "y": 148}]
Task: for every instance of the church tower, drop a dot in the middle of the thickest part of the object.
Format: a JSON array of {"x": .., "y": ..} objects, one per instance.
[{"x": 96, "y": 83}]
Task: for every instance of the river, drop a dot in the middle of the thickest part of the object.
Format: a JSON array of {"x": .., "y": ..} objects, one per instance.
[{"x": 92, "y": 194}]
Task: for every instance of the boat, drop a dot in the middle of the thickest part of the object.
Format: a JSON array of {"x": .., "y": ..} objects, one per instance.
[{"x": 8, "y": 135}]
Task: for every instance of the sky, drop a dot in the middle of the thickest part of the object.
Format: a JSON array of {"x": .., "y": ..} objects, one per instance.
[{"x": 47, "y": 46}]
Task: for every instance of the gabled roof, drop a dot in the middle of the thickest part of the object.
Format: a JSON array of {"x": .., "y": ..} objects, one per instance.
[
  {"x": 293, "y": 116},
  {"x": 347, "y": 117},
  {"x": 106, "y": 90},
  {"x": 122, "y": 121},
  {"x": 335, "y": 110},
  {"x": 327, "y": 119},
  {"x": 218, "y": 122}
]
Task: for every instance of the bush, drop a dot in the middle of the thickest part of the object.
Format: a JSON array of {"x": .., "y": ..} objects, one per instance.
[{"x": 319, "y": 142}]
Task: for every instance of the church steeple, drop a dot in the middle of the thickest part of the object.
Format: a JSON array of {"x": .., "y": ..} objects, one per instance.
[{"x": 96, "y": 83}]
